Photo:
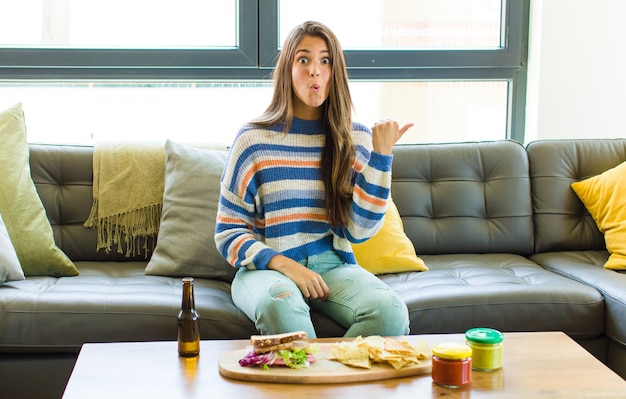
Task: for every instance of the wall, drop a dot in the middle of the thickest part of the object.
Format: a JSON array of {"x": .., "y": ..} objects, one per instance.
[{"x": 576, "y": 69}]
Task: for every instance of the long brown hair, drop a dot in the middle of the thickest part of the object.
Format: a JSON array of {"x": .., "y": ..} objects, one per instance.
[{"x": 338, "y": 152}]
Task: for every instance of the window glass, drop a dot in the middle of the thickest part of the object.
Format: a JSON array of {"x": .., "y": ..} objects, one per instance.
[
  {"x": 402, "y": 24},
  {"x": 119, "y": 23},
  {"x": 85, "y": 113},
  {"x": 441, "y": 111}
]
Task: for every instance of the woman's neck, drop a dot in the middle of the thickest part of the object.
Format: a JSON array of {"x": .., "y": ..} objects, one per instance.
[{"x": 304, "y": 112}]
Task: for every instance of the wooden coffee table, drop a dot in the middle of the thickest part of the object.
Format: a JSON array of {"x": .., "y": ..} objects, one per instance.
[{"x": 536, "y": 365}]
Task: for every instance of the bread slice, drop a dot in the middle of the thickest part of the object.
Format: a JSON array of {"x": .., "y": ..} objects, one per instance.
[{"x": 268, "y": 343}]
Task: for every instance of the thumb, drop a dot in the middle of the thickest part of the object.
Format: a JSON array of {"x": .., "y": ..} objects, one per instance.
[{"x": 404, "y": 128}]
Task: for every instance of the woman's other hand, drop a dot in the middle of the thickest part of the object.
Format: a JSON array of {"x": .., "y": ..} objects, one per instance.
[
  {"x": 310, "y": 283},
  {"x": 385, "y": 134}
]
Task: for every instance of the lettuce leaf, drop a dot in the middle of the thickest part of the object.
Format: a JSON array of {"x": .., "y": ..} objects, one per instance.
[{"x": 295, "y": 359}]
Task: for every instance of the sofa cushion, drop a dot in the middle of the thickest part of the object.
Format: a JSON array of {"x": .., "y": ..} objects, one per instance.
[
  {"x": 110, "y": 302},
  {"x": 185, "y": 244},
  {"x": 10, "y": 268},
  {"x": 21, "y": 207},
  {"x": 562, "y": 223},
  {"x": 604, "y": 197},
  {"x": 464, "y": 197},
  {"x": 390, "y": 250},
  {"x": 501, "y": 291},
  {"x": 587, "y": 267}
]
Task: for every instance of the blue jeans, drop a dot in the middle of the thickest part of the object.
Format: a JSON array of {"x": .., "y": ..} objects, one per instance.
[{"x": 357, "y": 300}]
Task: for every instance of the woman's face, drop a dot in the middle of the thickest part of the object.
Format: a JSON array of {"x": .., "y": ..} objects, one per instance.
[{"x": 310, "y": 73}]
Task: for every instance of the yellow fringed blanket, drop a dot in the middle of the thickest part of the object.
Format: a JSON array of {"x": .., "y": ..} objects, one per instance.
[{"x": 128, "y": 182}]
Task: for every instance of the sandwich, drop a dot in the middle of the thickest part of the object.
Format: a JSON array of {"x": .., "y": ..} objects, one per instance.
[
  {"x": 276, "y": 342},
  {"x": 290, "y": 349}
]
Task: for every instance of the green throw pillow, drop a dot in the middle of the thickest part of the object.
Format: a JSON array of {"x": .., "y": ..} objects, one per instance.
[{"x": 20, "y": 206}]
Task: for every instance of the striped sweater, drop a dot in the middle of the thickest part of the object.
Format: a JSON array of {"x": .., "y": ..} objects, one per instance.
[{"x": 272, "y": 196}]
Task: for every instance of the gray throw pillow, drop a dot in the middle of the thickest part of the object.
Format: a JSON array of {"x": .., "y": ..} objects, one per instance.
[
  {"x": 10, "y": 268},
  {"x": 185, "y": 243}
]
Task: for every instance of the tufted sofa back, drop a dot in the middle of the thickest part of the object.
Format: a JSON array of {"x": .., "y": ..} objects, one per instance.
[
  {"x": 453, "y": 198},
  {"x": 475, "y": 197},
  {"x": 464, "y": 197},
  {"x": 63, "y": 175},
  {"x": 562, "y": 222}
]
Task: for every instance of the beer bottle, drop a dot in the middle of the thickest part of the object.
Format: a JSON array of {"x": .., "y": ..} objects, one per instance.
[{"x": 188, "y": 323}]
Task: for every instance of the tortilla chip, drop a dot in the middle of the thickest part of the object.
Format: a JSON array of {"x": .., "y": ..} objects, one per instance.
[
  {"x": 350, "y": 355},
  {"x": 401, "y": 347},
  {"x": 360, "y": 352},
  {"x": 422, "y": 349},
  {"x": 355, "y": 357}
]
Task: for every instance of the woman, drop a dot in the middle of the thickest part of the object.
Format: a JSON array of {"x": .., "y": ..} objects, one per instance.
[{"x": 301, "y": 183}]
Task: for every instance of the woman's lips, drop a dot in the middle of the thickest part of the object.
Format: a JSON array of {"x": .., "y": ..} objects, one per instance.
[{"x": 315, "y": 87}]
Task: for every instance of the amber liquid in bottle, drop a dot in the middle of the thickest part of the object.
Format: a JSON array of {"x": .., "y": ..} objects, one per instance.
[{"x": 188, "y": 323}]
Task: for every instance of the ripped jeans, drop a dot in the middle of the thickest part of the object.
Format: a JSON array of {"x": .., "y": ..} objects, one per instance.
[{"x": 358, "y": 300}]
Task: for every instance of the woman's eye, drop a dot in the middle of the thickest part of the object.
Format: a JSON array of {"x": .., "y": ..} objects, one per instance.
[
  {"x": 303, "y": 60},
  {"x": 326, "y": 61}
]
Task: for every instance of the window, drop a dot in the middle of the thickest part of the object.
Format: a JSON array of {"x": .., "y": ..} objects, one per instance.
[
  {"x": 403, "y": 25},
  {"x": 195, "y": 70},
  {"x": 119, "y": 24}
]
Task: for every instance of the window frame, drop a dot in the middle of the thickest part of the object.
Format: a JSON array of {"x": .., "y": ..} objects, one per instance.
[
  {"x": 64, "y": 63},
  {"x": 258, "y": 47},
  {"x": 398, "y": 61}
]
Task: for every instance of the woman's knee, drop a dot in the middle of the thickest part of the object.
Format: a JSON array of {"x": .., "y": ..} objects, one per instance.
[
  {"x": 282, "y": 310},
  {"x": 396, "y": 316},
  {"x": 390, "y": 313},
  {"x": 281, "y": 298}
]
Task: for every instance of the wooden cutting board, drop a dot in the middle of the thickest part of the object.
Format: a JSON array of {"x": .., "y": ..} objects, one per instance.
[{"x": 322, "y": 371}]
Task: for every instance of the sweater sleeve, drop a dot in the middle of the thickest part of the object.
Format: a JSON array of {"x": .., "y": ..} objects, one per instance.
[
  {"x": 235, "y": 235},
  {"x": 372, "y": 182}
]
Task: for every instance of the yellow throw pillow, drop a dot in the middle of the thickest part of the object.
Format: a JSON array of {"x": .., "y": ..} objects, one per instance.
[
  {"x": 604, "y": 196},
  {"x": 390, "y": 250}
]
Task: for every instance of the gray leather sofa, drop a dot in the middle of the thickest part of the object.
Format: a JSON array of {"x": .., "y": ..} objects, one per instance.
[{"x": 507, "y": 242}]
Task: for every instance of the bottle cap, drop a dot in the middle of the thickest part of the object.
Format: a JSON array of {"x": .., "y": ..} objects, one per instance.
[
  {"x": 452, "y": 351},
  {"x": 484, "y": 335}
]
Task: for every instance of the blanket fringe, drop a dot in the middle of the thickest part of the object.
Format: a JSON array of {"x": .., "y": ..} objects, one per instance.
[{"x": 131, "y": 230}]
